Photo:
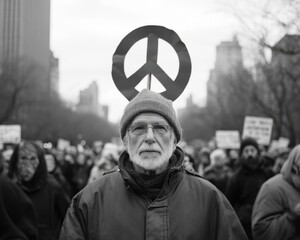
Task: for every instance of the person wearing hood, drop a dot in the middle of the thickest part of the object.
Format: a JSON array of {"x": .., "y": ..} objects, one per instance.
[
  {"x": 28, "y": 169},
  {"x": 151, "y": 195},
  {"x": 17, "y": 215},
  {"x": 244, "y": 184},
  {"x": 276, "y": 212}
]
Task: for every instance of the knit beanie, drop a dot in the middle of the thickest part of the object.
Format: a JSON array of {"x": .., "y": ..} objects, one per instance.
[
  {"x": 148, "y": 101},
  {"x": 248, "y": 141}
]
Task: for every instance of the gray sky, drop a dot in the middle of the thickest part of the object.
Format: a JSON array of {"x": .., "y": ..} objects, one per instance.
[{"x": 85, "y": 35}]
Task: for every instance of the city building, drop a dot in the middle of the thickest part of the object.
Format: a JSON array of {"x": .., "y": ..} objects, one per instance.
[
  {"x": 229, "y": 59},
  {"x": 88, "y": 102},
  {"x": 25, "y": 35}
]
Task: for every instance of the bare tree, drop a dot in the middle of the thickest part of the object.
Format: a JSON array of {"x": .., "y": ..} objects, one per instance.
[
  {"x": 269, "y": 35},
  {"x": 18, "y": 81}
]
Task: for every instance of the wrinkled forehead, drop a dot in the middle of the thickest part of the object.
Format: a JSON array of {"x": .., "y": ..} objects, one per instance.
[{"x": 149, "y": 118}]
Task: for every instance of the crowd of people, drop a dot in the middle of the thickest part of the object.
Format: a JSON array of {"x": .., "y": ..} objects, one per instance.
[
  {"x": 41, "y": 182},
  {"x": 37, "y": 185}
]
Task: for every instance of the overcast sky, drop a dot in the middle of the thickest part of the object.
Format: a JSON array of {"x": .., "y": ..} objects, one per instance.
[{"x": 85, "y": 35}]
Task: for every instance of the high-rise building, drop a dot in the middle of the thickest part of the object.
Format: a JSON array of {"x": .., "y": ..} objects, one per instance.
[
  {"x": 88, "y": 102},
  {"x": 25, "y": 34},
  {"x": 228, "y": 60}
]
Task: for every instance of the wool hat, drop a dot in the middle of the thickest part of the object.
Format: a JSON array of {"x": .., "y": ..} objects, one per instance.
[
  {"x": 148, "y": 101},
  {"x": 248, "y": 141}
]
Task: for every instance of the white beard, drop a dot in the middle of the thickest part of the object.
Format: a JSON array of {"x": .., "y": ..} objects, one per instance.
[{"x": 152, "y": 161}]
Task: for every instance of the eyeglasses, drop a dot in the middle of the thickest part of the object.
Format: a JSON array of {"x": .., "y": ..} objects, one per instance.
[{"x": 140, "y": 129}]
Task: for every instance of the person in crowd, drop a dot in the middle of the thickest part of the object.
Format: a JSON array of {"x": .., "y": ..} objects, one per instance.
[
  {"x": 189, "y": 162},
  {"x": 279, "y": 159},
  {"x": 68, "y": 170},
  {"x": 218, "y": 172},
  {"x": 276, "y": 212},
  {"x": 244, "y": 184},
  {"x": 81, "y": 172},
  {"x": 53, "y": 168},
  {"x": 28, "y": 169},
  {"x": 204, "y": 156},
  {"x": 233, "y": 159},
  {"x": 17, "y": 215},
  {"x": 108, "y": 160},
  {"x": 268, "y": 162},
  {"x": 150, "y": 195},
  {"x": 97, "y": 150}
]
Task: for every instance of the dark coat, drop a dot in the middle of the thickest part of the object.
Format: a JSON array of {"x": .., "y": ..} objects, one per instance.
[
  {"x": 17, "y": 216},
  {"x": 48, "y": 197},
  {"x": 114, "y": 207},
  {"x": 218, "y": 176},
  {"x": 241, "y": 191}
]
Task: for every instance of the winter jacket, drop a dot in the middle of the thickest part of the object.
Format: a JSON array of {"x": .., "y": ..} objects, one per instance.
[
  {"x": 274, "y": 214},
  {"x": 218, "y": 176},
  {"x": 17, "y": 216},
  {"x": 187, "y": 207},
  {"x": 272, "y": 218},
  {"x": 241, "y": 191}
]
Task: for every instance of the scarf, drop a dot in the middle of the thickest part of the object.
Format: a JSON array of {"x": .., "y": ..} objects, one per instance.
[{"x": 152, "y": 184}]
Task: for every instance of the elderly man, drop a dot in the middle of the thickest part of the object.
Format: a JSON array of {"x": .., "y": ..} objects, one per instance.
[{"x": 151, "y": 195}]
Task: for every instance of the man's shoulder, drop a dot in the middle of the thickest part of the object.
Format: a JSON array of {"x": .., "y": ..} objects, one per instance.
[
  {"x": 107, "y": 183},
  {"x": 193, "y": 178},
  {"x": 107, "y": 177}
]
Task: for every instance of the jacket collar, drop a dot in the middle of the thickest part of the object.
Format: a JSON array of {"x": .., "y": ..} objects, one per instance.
[{"x": 175, "y": 166}]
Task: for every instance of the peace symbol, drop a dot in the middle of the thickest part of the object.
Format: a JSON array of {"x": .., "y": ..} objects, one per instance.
[{"x": 127, "y": 85}]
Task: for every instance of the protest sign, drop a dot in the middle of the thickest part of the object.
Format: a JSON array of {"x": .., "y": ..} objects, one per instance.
[
  {"x": 10, "y": 134},
  {"x": 258, "y": 128},
  {"x": 228, "y": 139}
]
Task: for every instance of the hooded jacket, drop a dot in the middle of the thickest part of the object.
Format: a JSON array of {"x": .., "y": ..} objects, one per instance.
[
  {"x": 17, "y": 215},
  {"x": 273, "y": 212},
  {"x": 49, "y": 200},
  {"x": 115, "y": 207}
]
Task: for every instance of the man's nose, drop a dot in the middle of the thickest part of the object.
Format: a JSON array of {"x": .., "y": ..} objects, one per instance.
[{"x": 150, "y": 135}]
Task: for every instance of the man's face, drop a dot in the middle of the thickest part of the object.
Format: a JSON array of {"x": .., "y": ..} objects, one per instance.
[
  {"x": 27, "y": 162},
  {"x": 150, "y": 142},
  {"x": 249, "y": 151},
  {"x": 250, "y": 157}
]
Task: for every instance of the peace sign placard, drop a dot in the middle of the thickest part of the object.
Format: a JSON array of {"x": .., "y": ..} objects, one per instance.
[{"x": 175, "y": 87}]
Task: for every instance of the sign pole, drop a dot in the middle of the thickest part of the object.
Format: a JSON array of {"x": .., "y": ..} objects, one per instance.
[{"x": 149, "y": 82}]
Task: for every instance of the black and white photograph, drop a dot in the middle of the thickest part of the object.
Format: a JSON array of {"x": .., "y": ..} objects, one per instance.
[{"x": 149, "y": 120}]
